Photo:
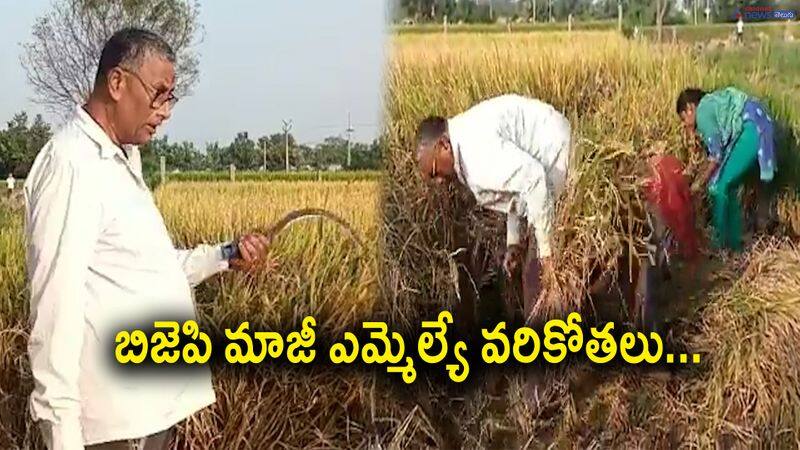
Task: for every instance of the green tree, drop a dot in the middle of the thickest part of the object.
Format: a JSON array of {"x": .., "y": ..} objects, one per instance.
[
  {"x": 276, "y": 151},
  {"x": 181, "y": 156},
  {"x": 367, "y": 156},
  {"x": 647, "y": 12},
  {"x": 243, "y": 152},
  {"x": 21, "y": 142},
  {"x": 216, "y": 157}
]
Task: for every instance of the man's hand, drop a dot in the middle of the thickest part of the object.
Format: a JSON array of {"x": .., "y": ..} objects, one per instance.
[
  {"x": 512, "y": 259},
  {"x": 253, "y": 250}
]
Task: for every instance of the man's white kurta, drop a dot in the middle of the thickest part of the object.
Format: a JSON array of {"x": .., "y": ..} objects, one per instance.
[
  {"x": 99, "y": 261},
  {"x": 513, "y": 154}
]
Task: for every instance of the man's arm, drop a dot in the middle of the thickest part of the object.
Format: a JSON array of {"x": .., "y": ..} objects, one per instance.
[
  {"x": 62, "y": 226},
  {"x": 202, "y": 262},
  {"x": 539, "y": 206},
  {"x": 513, "y": 224},
  {"x": 523, "y": 174},
  {"x": 245, "y": 253}
]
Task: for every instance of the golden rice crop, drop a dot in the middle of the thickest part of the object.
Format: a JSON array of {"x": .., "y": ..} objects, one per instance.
[
  {"x": 788, "y": 209},
  {"x": 320, "y": 272},
  {"x": 12, "y": 267},
  {"x": 619, "y": 96},
  {"x": 749, "y": 391}
]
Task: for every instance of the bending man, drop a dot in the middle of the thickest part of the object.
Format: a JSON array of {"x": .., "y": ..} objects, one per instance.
[{"x": 513, "y": 154}]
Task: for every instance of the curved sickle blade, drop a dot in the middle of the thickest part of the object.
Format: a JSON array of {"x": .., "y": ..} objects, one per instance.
[{"x": 310, "y": 213}]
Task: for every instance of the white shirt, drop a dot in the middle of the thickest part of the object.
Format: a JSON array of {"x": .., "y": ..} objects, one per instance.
[
  {"x": 513, "y": 154},
  {"x": 740, "y": 26},
  {"x": 100, "y": 261},
  {"x": 10, "y": 182}
]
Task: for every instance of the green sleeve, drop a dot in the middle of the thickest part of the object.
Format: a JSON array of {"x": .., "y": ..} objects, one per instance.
[{"x": 708, "y": 127}]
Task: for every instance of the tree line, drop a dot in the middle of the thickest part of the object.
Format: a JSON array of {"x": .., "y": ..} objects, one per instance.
[
  {"x": 635, "y": 12},
  {"x": 22, "y": 139},
  {"x": 247, "y": 153}
]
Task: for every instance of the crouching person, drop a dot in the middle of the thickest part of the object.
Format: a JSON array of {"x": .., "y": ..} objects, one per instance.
[{"x": 512, "y": 153}]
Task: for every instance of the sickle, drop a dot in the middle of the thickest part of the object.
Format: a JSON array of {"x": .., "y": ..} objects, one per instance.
[
  {"x": 308, "y": 213},
  {"x": 303, "y": 214}
]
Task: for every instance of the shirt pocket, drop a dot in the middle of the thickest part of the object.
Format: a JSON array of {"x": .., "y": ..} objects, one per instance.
[{"x": 134, "y": 228}]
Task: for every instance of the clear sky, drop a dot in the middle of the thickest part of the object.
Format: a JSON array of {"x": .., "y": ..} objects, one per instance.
[{"x": 310, "y": 61}]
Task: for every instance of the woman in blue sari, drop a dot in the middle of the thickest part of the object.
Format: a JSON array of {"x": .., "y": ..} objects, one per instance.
[{"x": 738, "y": 133}]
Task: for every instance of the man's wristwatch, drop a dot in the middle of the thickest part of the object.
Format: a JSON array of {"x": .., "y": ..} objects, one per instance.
[{"x": 230, "y": 251}]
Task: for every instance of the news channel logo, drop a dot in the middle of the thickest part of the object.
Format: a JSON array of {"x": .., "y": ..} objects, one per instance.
[{"x": 764, "y": 13}]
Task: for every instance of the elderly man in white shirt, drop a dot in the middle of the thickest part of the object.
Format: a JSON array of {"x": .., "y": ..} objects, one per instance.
[
  {"x": 10, "y": 184},
  {"x": 739, "y": 29},
  {"x": 512, "y": 152},
  {"x": 100, "y": 260}
]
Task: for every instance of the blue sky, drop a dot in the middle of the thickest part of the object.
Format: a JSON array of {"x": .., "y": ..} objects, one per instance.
[{"x": 310, "y": 61}]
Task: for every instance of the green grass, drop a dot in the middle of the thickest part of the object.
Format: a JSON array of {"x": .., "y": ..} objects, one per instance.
[
  {"x": 502, "y": 28},
  {"x": 684, "y": 33},
  {"x": 777, "y": 63},
  {"x": 770, "y": 71},
  {"x": 707, "y": 32}
]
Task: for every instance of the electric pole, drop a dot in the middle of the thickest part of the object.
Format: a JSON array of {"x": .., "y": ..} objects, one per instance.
[
  {"x": 286, "y": 127},
  {"x": 264, "y": 149},
  {"x": 349, "y": 138}
]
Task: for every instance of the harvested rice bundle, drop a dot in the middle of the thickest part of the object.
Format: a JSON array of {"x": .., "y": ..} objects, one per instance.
[{"x": 749, "y": 334}]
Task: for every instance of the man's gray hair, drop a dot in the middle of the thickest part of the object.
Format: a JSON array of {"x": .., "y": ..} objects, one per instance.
[
  {"x": 128, "y": 48},
  {"x": 429, "y": 131}
]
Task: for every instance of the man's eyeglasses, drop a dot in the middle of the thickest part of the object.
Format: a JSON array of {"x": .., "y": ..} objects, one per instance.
[{"x": 160, "y": 98}]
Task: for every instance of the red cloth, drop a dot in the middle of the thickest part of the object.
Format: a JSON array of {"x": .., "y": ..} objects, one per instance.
[{"x": 670, "y": 193}]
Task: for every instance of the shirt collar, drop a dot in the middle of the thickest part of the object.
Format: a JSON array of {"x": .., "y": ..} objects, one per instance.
[
  {"x": 108, "y": 149},
  {"x": 97, "y": 134},
  {"x": 458, "y": 160}
]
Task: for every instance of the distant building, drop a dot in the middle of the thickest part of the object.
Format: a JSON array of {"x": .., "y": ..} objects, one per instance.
[{"x": 334, "y": 168}]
